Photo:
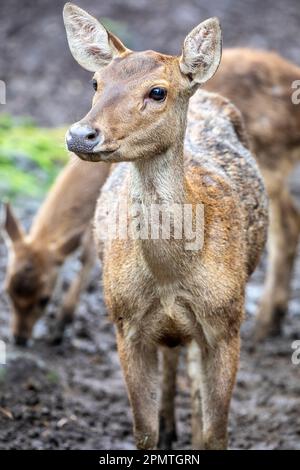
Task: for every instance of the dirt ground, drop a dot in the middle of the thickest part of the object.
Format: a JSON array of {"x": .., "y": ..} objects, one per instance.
[{"x": 72, "y": 396}]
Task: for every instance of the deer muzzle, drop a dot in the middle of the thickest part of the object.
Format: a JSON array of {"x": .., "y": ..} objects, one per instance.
[
  {"x": 82, "y": 138},
  {"x": 89, "y": 143}
]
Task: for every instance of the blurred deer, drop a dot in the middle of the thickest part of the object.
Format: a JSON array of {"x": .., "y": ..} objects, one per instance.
[
  {"x": 159, "y": 291},
  {"x": 61, "y": 226},
  {"x": 260, "y": 84}
]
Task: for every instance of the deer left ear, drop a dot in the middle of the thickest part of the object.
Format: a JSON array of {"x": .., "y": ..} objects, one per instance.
[
  {"x": 68, "y": 245},
  {"x": 91, "y": 45},
  {"x": 12, "y": 226},
  {"x": 201, "y": 52}
]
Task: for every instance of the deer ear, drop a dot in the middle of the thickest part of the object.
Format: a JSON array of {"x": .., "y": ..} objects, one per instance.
[
  {"x": 67, "y": 245},
  {"x": 91, "y": 45},
  {"x": 201, "y": 52},
  {"x": 12, "y": 226}
]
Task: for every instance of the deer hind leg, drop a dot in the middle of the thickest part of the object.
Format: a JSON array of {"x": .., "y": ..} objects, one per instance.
[
  {"x": 194, "y": 371},
  {"x": 218, "y": 367},
  {"x": 283, "y": 240},
  {"x": 167, "y": 421},
  {"x": 140, "y": 367},
  {"x": 72, "y": 296}
]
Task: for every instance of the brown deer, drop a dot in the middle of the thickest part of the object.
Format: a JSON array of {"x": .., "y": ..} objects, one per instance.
[
  {"x": 60, "y": 227},
  {"x": 260, "y": 83},
  {"x": 159, "y": 291}
]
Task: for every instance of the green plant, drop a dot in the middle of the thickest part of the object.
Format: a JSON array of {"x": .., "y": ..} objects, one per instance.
[{"x": 30, "y": 157}]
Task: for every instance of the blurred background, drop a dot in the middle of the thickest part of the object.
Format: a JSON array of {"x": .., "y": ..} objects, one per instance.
[
  {"x": 47, "y": 87},
  {"x": 72, "y": 396}
]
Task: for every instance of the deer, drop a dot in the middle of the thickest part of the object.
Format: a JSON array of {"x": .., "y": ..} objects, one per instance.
[
  {"x": 171, "y": 144},
  {"x": 61, "y": 226},
  {"x": 260, "y": 84}
]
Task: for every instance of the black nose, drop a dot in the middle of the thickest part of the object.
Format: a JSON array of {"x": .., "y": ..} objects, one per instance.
[
  {"x": 20, "y": 340},
  {"x": 82, "y": 138}
]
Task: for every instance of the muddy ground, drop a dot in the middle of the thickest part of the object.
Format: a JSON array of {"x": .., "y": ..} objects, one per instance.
[{"x": 72, "y": 396}]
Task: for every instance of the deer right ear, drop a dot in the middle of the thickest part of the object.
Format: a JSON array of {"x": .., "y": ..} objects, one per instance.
[
  {"x": 92, "y": 46},
  {"x": 201, "y": 52},
  {"x": 12, "y": 226}
]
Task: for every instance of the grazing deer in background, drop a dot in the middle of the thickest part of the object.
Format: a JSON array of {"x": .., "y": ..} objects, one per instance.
[
  {"x": 60, "y": 227},
  {"x": 160, "y": 292},
  {"x": 260, "y": 84}
]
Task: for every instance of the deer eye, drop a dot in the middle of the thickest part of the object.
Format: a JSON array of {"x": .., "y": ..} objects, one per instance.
[
  {"x": 44, "y": 301},
  {"x": 158, "y": 94},
  {"x": 94, "y": 83}
]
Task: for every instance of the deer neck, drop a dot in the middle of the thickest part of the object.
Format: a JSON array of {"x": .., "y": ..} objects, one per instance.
[{"x": 160, "y": 181}]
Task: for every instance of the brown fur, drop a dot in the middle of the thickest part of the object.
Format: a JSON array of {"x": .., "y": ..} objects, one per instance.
[
  {"x": 260, "y": 84},
  {"x": 159, "y": 293},
  {"x": 167, "y": 275},
  {"x": 59, "y": 228}
]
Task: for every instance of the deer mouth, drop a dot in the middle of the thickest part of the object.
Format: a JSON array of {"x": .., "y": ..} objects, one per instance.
[{"x": 100, "y": 156}]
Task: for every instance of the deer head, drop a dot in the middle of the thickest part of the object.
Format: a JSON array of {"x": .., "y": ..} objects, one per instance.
[
  {"x": 141, "y": 98},
  {"x": 32, "y": 272}
]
